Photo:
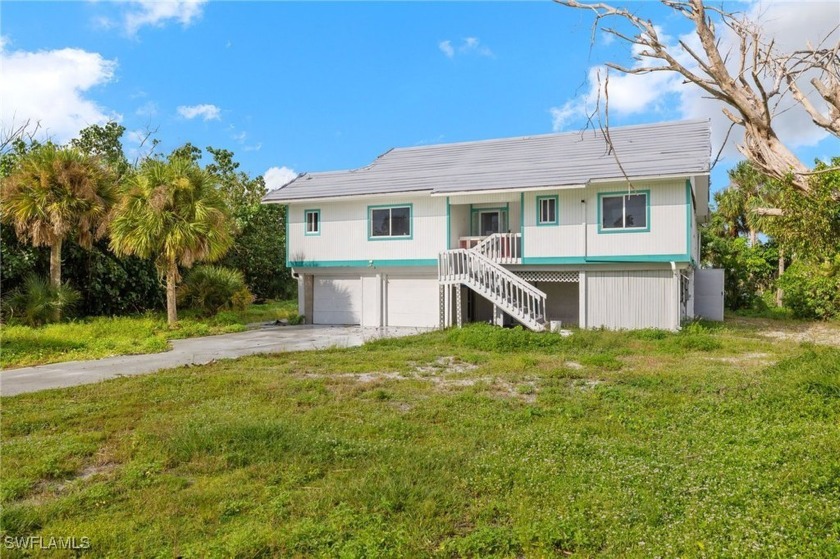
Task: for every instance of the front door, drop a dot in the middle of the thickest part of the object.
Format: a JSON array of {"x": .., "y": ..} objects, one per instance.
[{"x": 489, "y": 222}]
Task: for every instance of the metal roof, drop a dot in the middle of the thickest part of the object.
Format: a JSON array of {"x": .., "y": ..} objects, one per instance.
[{"x": 569, "y": 159}]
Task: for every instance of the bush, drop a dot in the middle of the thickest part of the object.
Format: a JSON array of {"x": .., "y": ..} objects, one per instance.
[
  {"x": 209, "y": 289},
  {"x": 241, "y": 300},
  {"x": 112, "y": 285},
  {"x": 37, "y": 302},
  {"x": 812, "y": 290}
]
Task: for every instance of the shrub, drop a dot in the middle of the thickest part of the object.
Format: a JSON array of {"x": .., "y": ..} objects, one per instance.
[
  {"x": 296, "y": 319},
  {"x": 37, "y": 302},
  {"x": 241, "y": 300},
  {"x": 209, "y": 289},
  {"x": 812, "y": 290}
]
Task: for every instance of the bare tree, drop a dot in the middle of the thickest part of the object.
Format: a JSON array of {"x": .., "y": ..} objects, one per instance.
[
  {"x": 760, "y": 76},
  {"x": 9, "y": 134}
]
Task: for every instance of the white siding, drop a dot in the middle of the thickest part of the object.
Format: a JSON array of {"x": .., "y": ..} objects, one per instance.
[
  {"x": 459, "y": 220},
  {"x": 344, "y": 232},
  {"x": 563, "y": 239},
  {"x": 412, "y": 302},
  {"x": 667, "y": 235},
  {"x": 632, "y": 299}
]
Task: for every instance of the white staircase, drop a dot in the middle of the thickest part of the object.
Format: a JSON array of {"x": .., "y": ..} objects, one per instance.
[
  {"x": 515, "y": 296},
  {"x": 502, "y": 248}
]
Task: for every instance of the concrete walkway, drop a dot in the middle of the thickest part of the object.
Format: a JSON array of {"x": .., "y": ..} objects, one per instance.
[{"x": 192, "y": 351}]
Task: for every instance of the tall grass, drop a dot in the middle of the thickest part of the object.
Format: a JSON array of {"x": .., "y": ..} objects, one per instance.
[
  {"x": 97, "y": 337},
  {"x": 650, "y": 446}
]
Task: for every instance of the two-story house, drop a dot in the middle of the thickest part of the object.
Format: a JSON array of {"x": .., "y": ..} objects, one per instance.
[{"x": 558, "y": 227}]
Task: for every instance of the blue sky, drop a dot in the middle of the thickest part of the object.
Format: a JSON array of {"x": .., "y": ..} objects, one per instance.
[{"x": 321, "y": 86}]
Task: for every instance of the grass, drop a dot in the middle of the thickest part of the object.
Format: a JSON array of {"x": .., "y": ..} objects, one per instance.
[
  {"x": 98, "y": 337},
  {"x": 481, "y": 442}
]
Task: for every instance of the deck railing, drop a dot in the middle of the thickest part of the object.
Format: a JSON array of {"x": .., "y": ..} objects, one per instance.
[
  {"x": 504, "y": 248},
  {"x": 512, "y": 294}
]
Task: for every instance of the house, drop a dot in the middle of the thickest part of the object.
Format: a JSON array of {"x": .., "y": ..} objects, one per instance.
[{"x": 531, "y": 230}]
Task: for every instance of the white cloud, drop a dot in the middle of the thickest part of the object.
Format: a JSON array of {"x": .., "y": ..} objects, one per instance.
[
  {"x": 136, "y": 137},
  {"x": 158, "y": 12},
  {"x": 205, "y": 111},
  {"x": 276, "y": 177},
  {"x": 240, "y": 137},
  {"x": 149, "y": 108},
  {"x": 468, "y": 46},
  {"x": 52, "y": 88},
  {"x": 792, "y": 25}
]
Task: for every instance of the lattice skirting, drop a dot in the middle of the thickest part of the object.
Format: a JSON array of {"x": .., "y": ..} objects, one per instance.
[{"x": 566, "y": 277}]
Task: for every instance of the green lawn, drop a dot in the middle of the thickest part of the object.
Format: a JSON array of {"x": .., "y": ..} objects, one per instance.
[
  {"x": 481, "y": 442},
  {"x": 93, "y": 338}
]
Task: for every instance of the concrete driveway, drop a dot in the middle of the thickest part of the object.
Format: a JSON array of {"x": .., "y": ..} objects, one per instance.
[{"x": 193, "y": 351}]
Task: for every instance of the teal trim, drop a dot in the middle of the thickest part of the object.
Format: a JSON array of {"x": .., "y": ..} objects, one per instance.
[
  {"x": 646, "y": 229},
  {"x": 306, "y": 223},
  {"x": 688, "y": 216},
  {"x": 288, "y": 246},
  {"x": 408, "y": 237},
  {"x": 641, "y": 258},
  {"x": 507, "y": 217},
  {"x": 556, "y": 211},
  {"x": 522, "y": 224},
  {"x": 363, "y": 263},
  {"x": 448, "y": 226}
]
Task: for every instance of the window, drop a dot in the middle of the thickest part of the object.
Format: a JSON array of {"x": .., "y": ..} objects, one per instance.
[
  {"x": 312, "y": 218},
  {"x": 389, "y": 222},
  {"x": 624, "y": 212},
  {"x": 547, "y": 210}
]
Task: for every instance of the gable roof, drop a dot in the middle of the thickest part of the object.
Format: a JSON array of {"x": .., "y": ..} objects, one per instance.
[{"x": 568, "y": 159}]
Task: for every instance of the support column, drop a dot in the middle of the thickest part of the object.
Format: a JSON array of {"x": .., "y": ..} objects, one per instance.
[
  {"x": 309, "y": 298},
  {"x": 381, "y": 299},
  {"x": 498, "y": 316},
  {"x": 458, "y": 311},
  {"x": 441, "y": 307},
  {"x": 582, "y": 320},
  {"x": 447, "y": 307}
]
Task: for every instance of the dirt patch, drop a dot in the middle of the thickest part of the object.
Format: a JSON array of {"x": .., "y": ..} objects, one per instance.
[
  {"x": 753, "y": 359},
  {"x": 447, "y": 364},
  {"x": 814, "y": 332},
  {"x": 364, "y": 378},
  {"x": 586, "y": 383},
  {"x": 47, "y": 490},
  {"x": 438, "y": 373},
  {"x": 525, "y": 390}
]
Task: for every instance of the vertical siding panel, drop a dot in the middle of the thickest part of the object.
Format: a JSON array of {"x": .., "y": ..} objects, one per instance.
[{"x": 631, "y": 299}]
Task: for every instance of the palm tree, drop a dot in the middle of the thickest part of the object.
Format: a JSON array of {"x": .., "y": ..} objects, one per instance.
[
  {"x": 171, "y": 211},
  {"x": 56, "y": 193}
]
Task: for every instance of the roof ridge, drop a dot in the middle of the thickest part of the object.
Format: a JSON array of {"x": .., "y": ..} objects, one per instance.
[{"x": 548, "y": 135}]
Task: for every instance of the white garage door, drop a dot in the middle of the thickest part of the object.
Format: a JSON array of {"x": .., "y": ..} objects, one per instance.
[
  {"x": 337, "y": 301},
  {"x": 413, "y": 302}
]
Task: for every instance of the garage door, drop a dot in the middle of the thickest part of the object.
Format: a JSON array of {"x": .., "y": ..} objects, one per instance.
[
  {"x": 413, "y": 302},
  {"x": 337, "y": 301}
]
